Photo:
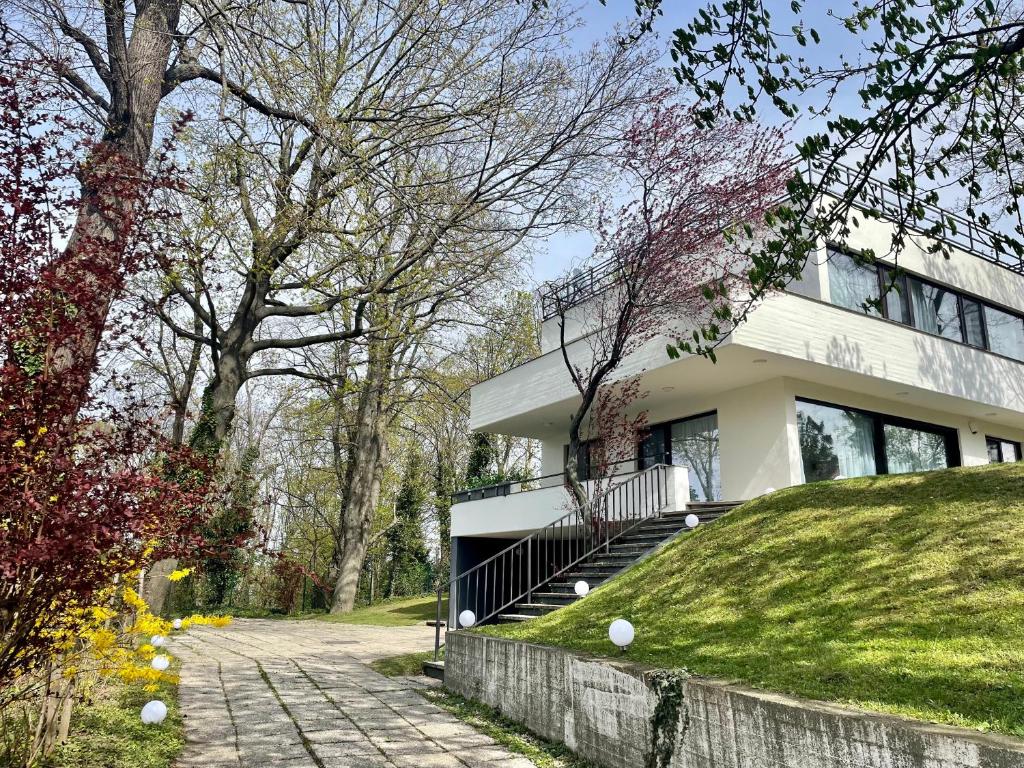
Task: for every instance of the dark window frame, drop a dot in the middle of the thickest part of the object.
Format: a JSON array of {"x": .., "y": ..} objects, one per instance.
[
  {"x": 665, "y": 427},
  {"x": 999, "y": 447},
  {"x": 950, "y": 435},
  {"x": 901, "y": 285},
  {"x": 584, "y": 459}
]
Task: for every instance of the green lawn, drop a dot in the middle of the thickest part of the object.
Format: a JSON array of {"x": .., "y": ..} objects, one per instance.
[
  {"x": 405, "y": 665},
  {"x": 107, "y": 732},
  {"x": 901, "y": 594},
  {"x": 400, "y": 612}
]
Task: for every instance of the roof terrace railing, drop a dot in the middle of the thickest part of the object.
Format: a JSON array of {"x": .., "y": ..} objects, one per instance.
[{"x": 958, "y": 231}]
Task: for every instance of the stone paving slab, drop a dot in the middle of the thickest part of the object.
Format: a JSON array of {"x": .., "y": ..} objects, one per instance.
[{"x": 301, "y": 695}]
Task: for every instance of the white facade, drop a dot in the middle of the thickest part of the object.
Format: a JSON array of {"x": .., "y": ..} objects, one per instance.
[{"x": 795, "y": 346}]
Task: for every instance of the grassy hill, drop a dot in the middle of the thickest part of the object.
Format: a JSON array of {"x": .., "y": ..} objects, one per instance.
[
  {"x": 397, "y": 612},
  {"x": 900, "y": 594}
]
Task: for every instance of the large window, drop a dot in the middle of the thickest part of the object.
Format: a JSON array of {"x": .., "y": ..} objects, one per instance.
[
  {"x": 837, "y": 442},
  {"x": 914, "y": 450},
  {"x": 692, "y": 443},
  {"x": 1002, "y": 450},
  {"x": 1005, "y": 333},
  {"x": 925, "y": 305},
  {"x": 935, "y": 310},
  {"x": 853, "y": 285}
]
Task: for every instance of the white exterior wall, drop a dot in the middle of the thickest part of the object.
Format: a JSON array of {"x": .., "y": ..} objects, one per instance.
[{"x": 794, "y": 344}]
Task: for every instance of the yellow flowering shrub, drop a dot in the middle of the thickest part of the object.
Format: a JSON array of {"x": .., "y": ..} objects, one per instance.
[{"x": 116, "y": 643}]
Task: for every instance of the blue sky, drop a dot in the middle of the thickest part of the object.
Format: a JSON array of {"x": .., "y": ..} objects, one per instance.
[{"x": 560, "y": 252}]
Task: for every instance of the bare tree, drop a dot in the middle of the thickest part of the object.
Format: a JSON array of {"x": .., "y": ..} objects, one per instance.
[
  {"x": 416, "y": 133},
  {"x": 668, "y": 265}
]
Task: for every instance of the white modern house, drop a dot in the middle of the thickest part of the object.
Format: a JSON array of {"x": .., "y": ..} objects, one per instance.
[{"x": 812, "y": 386}]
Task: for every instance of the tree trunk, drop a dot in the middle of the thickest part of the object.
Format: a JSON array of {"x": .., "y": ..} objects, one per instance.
[
  {"x": 368, "y": 453},
  {"x": 573, "y": 480},
  {"x": 218, "y": 411},
  {"x": 135, "y": 84}
]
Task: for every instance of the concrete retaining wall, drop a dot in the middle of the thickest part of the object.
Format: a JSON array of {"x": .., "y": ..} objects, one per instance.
[{"x": 603, "y": 711}]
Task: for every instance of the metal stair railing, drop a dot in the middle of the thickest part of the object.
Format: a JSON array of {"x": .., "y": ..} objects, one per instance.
[{"x": 517, "y": 571}]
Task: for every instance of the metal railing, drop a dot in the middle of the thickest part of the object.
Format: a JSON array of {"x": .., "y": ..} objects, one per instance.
[
  {"x": 956, "y": 230},
  {"x": 516, "y": 572},
  {"x": 512, "y": 487}
]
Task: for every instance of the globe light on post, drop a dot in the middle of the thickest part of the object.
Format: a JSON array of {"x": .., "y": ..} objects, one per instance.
[
  {"x": 158, "y": 641},
  {"x": 176, "y": 623},
  {"x": 691, "y": 520},
  {"x": 154, "y": 712},
  {"x": 621, "y": 633},
  {"x": 161, "y": 662},
  {"x": 582, "y": 589},
  {"x": 467, "y": 618}
]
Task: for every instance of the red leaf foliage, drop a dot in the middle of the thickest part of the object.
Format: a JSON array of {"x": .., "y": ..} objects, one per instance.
[
  {"x": 673, "y": 259},
  {"x": 85, "y": 486}
]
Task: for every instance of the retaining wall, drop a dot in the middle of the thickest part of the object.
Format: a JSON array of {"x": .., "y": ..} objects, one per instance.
[{"x": 603, "y": 710}]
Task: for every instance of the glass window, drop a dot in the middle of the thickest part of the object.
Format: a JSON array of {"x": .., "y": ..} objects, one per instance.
[
  {"x": 835, "y": 442},
  {"x": 914, "y": 450},
  {"x": 1005, "y": 333},
  {"x": 588, "y": 460},
  {"x": 897, "y": 303},
  {"x": 973, "y": 323},
  {"x": 1002, "y": 450},
  {"x": 652, "y": 448},
  {"x": 936, "y": 309},
  {"x": 695, "y": 445},
  {"x": 851, "y": 284}
]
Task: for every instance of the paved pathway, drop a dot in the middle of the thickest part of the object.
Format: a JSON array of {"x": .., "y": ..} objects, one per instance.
[{"x": 300, "y": 695}]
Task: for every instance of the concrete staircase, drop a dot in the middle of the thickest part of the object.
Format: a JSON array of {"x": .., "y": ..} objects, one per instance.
[
  {"x": 621, "y": 554},
  {"x": 604, "y": 565}
]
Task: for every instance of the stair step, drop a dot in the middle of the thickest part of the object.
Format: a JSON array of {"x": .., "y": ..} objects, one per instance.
[
  {"x": 560, "y": 598},
  {"x": 702, "y": 514},
  {"x": 647, "y": 538},
  {"x": 513, "y": 618},
  {"x": 434, "y": 669},
  {"x": 568, "y": 588},
  {"x": 590, "y": 574},
  {"x": 661, "y": 525},
  {"x": 536, "y": 609},
  {"x": 713, "y": 504},
  {"x": 657, "y": 535}
]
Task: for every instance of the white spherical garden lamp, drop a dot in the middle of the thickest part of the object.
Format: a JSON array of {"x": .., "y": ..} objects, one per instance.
[
  {"x": 582, "y": 588},
  {"x": 158, "y": 641},
  {"x": 691, "y": 520},
  {"x": 621, "y": 633},
  {"x": 160, "y": 662},
  {"x": 467, "y": 618},
  {"x": 154, "y": 712},
  {"x": 176, "y": 623},
  {"x": 768, "y": 490}
]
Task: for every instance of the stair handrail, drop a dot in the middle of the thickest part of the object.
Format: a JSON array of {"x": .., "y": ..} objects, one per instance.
[{"x": 597, "y": 531}]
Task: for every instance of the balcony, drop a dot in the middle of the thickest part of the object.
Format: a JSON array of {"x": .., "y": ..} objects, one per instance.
[
  {"x": 958, "y": 232},
  {"x": 516, "y": 509}
]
